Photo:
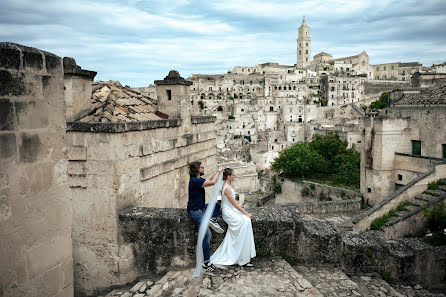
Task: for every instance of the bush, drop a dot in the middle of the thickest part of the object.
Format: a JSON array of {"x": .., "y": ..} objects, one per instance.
[
  {"x": 381, "y": 103},
  {"x": 437, "y": 239},
  {"x": 201, "y": 104},
  {"x": 436, "y": 217},
  {"x": 277, "y": 188},
  {"x": 305, "y": 191},
  {"x": 237, "y": 136},
  {"x": 260, "y": 174},
  {"x": 231, "y": 117},
  {"x": 378, "y": 223}
]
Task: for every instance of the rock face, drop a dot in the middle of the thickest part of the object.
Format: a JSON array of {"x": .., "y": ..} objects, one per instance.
[{"x": 167, "y": 237}]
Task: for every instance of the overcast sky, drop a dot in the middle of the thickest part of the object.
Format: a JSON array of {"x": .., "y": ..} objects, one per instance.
[{"x": 138, "y": 41}]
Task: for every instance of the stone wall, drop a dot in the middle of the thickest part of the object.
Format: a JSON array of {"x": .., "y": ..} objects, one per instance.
[
  {"x": 35, "y": 214},
  {"x": 405, "y": 193},
  {"x": 377, "y": 87},
  {"x": 296, "y": 191},
  {"x": 412, "y": 224},
  {"x": 161, "y": 238},
  {"x": 115, "y": 165}
]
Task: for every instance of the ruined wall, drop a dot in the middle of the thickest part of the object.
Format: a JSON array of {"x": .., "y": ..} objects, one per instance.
[
  {"x": 114, "y": 165},
  {"x": 295, "y": 191},
  {"x": 165, "y": 237},
  {"x": 35, "y": 214}
]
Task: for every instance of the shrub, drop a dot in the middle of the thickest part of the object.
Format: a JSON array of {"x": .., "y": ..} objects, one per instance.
[
  {"x": 201, "y": 104},
  {"x": 231, "y": 117},
  {"x": 381, "y": 103},
  {"x": 378, "y": 223},
  {"x": 387, "y": 276},
  {"x": 312, "y": 186},
  {"x": 305, "y": 191},
  {"x": 277, "y": 188},
  {"x": 436, "y": 217},
  {"x": 402, "y": 206},
  {"x": 260, "y": 174}
]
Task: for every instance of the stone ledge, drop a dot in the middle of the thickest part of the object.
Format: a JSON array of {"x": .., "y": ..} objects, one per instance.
[
  {"x": 159, "y": 237},
  {"x": 120, "y": 127},
  {"x": 203, "y": 119}
]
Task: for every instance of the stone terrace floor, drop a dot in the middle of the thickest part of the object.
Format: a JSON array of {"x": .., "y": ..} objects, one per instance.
[{"x": 270, "y": 276}]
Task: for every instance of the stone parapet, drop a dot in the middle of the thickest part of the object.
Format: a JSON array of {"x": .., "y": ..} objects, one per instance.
[
  {"x": 161, "y": 238},
  {"x": 122, "y": 126}
]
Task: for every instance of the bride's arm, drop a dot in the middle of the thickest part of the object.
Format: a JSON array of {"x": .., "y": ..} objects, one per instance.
[{"x": 231, "y": 198}]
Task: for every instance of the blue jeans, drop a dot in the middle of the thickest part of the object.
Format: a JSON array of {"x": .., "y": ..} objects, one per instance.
[{"x": 197, "y": 217}]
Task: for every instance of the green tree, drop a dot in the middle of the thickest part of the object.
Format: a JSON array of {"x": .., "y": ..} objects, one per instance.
[
  {"x": 329, "y": 146},
  {"x": 299, "y": 161},
  {"x": 347, "y": 168}
]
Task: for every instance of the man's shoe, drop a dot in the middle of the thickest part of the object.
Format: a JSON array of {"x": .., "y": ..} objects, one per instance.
[
  {"x": 215, "y": 226},
  {"x": 210, "y": 267}
]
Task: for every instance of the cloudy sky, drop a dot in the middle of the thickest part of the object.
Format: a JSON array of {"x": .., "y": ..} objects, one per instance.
[{"x": 138, "y": 41}]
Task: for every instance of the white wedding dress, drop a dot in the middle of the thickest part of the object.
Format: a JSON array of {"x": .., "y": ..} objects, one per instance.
[{"x": 238, "y": 246}]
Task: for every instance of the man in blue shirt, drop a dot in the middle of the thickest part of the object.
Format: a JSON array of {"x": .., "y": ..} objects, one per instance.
[{"x": 196, "y": 206}]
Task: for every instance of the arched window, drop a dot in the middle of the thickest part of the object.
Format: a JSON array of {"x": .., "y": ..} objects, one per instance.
[
  {"x": 271, "y": 108},
  {"x": 220, "y": 108}
]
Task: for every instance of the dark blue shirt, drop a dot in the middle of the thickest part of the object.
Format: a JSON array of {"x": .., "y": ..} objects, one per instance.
[{"x": 196, "y": 194}]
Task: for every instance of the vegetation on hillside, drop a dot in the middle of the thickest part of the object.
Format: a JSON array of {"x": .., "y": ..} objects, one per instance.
[{"x": 326, "y": 156}]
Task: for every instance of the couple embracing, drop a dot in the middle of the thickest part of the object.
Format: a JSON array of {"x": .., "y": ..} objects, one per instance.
[{"x": 238, "y": 246}]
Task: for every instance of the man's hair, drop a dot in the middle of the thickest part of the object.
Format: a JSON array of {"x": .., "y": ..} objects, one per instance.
[
  {"x": 227, "y": 172},
  {"x": 194, "y": 168}
]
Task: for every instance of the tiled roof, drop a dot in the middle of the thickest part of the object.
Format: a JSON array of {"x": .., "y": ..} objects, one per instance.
[
  {"x": 432, "y": 96},
  {"x": 114, "y": 103}
]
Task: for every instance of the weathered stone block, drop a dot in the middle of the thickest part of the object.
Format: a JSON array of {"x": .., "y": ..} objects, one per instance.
[
  {"x": 53, "y": 64},
  {"x": 12, "y": 84},
  {"x": 77, "y": 153},
  {"x": 66, "y": 269},
  {"x": 32, "y": 114},
  {"x": 77, "y": 181},
  {"x": 7, "y": 146},
  {"x": 32, "y": 59},
  {"x": 51, "y": 280},
  {"x": 5, "y": 205},
  {"x": 76, "y": 168},
  {"x": 45, "y": 255},
  {"x": 9, "y": 56},
  {"x": 6, "y": 115},
  {"x": 30, "y": 147}
]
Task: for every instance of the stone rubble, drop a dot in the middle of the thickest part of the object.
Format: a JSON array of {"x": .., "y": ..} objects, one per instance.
[{"x": 271, "y": 276}]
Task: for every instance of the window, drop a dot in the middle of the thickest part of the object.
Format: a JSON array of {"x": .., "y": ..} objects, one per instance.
[
  {"x": 416, "y": 147},
  {"x": 369, "y": 190},
  {"x": 444, "y": 151},
  {"x": 242, "y": 110},
  {"x": 306, "y": 44},
  {"x": 300, "y": 52},
  {"x": 385, "y": 68},
  {"x": 393, "y": 67},
  {"x": 306, "y": 59},
  {"x": 306, "y": 51},
  {"x": 250, "y": 82},
  {"x": 275, "y": 140},
  {"x": 169, "y": 94},
  {"x": 400, "y": 177},
  {"x": 377, "y": 68}
]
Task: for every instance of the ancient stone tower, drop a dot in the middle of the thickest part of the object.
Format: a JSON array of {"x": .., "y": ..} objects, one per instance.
[
  {"x": 303, "y": 46},
  {"x": 173, "y": 93}
]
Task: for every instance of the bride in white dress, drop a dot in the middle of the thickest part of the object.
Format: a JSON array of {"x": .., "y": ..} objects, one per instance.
[{"x": 238, "y": 246}]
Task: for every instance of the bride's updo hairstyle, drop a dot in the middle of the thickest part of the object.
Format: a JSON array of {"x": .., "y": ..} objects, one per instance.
[{"x": 227, "y": 172}]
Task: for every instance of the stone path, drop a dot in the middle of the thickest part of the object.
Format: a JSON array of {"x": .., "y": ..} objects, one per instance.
[
  {"x": 334, "y": 282},
  {"x": 269, "y": 277}
]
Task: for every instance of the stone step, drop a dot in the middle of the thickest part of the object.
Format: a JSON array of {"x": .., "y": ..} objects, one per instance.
[
  {"x": 411, "y": 207},
  {"x": 442, "y": 187},
  {"x": 434, "y": 193},
  {"x": 424, "y": 197},
  {"x": 401, "y": 213}
]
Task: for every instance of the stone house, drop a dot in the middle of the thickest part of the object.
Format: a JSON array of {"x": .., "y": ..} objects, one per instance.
[{"x": 403, "y": 142}]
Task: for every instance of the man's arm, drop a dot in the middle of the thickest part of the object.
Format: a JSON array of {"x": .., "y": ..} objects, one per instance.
[{"x": 213, "y": 180}]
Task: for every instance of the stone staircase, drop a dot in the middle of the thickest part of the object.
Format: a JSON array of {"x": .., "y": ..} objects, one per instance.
[{"x": 427, "y": 199}]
